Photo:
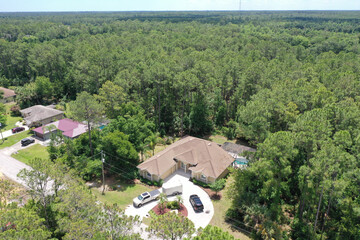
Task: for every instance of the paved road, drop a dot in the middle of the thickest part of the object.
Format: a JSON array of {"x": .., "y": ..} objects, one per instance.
[{"x": 9, "y": 166}]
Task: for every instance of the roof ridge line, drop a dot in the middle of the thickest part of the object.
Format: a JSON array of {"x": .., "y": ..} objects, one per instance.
[
  {"x": 164, "y": 151},
  {"x": 207, "y": 149}
]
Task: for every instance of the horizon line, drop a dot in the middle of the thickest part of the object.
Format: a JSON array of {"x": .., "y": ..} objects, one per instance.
[{"x": 244, "y": 10}]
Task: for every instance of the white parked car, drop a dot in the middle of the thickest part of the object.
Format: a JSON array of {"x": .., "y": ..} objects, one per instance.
[{"x": 145, "y": 198}]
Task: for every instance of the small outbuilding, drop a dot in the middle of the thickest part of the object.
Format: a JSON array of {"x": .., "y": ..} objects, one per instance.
[
  {"x": 40, "y": 115},
  {"x": 67, "y": 127}
]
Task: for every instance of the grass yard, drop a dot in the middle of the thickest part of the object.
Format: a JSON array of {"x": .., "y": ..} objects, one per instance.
[
  {"x": 158, "y": 148},
  {"x": 220, "y": 208},
  {"x": 9, "y": 141},
  {"x": 10, "y": 120},
  {"x": 122, "y": 197},
  {"x": 34, "y": 151},
  {"x": 219, "y": 139}
]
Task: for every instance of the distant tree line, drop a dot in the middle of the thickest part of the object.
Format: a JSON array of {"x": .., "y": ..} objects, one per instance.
[{"x": 288, "y": 82}]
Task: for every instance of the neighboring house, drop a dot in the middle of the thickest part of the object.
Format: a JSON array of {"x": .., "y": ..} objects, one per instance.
[
  {"x": 39, "y": 115},
  {"x": 8, "y": 96},
  {"x": 203, "y": 160},
  {"x": 68, "y": 128},
  {"x": 237, "y": 152}
]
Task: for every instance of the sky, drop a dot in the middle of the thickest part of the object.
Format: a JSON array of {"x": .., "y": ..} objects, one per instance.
[{"x": 173, "y": 5}]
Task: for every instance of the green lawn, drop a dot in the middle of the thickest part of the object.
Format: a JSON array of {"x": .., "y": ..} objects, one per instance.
[
  {"x": 219, "y": 139},
  {"x": 9, "y": 141},
  {"x": 10, "y": 120},
  {"x": 35, "y": 151},
  {"x": 122, "y": 197},
  {"x": 220, "y": 208}
]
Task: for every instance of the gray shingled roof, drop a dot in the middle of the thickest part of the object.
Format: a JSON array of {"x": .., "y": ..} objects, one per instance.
[{"x": 38, "y": 113}]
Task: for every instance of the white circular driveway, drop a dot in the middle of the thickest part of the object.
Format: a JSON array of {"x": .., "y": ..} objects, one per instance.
[{"x": 201, "y": 219}]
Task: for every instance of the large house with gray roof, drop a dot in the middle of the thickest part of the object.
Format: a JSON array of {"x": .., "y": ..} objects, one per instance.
[
  {"x": 201, "y": 159},
  {"x": 40, "y": 115}
]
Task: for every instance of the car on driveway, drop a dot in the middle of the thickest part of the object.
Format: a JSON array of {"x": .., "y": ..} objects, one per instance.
[
  {"x": 27, "y": 141},
  {"x": 196, "y": 203},
  {"x": 145, "y": 197},
  {"x": 17, "y": 129}
]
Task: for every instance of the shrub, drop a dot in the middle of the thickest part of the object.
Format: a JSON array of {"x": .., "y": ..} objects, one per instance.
[
  {"x": 173, "y": 205},
  {"x": 218, "y": 185},
  {"x": 199, "y": 183},
  {"x": 169, "y": 140},
  {"x": 151, "y": 183},
  {"x": 15, "y": 110}
]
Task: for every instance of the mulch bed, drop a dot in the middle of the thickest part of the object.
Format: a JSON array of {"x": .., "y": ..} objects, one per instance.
[
  {"x": 183, "y": 211},
  {"x": 212, "y": 194}
]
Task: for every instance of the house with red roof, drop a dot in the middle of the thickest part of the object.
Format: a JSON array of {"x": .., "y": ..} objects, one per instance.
[{"x": 68, "y": 128}]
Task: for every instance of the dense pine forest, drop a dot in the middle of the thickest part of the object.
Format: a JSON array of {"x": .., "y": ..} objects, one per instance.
[{"x": 286, "y": 82}]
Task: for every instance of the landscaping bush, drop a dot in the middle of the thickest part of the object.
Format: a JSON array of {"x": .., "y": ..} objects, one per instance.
[
  {"x": 169, "y": 140},
  {"x": 218, "y": 185},
  {"x": 151, "y": 183},
  {"x": 173, "y": 205},
  {"x": 15, "y": 110},
  {"x": 200, "y": 183}
]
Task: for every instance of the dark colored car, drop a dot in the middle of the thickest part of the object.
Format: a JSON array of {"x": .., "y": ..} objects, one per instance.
[
  {"x": 17, "y": 129},
  {"x": 27, "y": 141},
  {"x": 196, "y": 203}
]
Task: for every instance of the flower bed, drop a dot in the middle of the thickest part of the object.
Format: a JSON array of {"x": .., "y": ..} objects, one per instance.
[{"x": 183, "y": 211}]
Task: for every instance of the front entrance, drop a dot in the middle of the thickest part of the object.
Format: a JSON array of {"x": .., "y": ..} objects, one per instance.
[{"x": 183, "y": 166}]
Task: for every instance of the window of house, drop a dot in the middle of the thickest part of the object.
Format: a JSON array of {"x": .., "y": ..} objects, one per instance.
[
  {"x": 203, "y": 177},
  {"x": 148, "y": 174}
]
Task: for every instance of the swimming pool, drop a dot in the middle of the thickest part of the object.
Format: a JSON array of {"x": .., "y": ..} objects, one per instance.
[{"x": 241, "y": 161}]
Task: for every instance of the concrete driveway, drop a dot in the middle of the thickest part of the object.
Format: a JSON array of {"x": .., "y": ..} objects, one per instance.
[
  {"x": 9, "y": 133},
  {"x": 9, "y": 166},
  {"x": 201, "y": 219},
  {"x": 17, "y": 146}
]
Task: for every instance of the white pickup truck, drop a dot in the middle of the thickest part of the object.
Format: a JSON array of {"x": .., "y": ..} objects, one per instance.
[{"x": 168, "y": 189}]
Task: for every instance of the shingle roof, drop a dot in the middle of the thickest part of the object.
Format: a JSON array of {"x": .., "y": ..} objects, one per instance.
[
  {"x": 38, "y": 112},
  {"x": 68, "y": 127},
  {"x": 7, "y": 92},
  {"x": 236, "y": 148},
  {"x": 208, "y": 157}
]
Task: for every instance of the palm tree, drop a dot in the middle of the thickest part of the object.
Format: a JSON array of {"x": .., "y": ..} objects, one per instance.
[
  {"x": 162, "y": 201},
  {"x": 180, "y": 200},
  {"x": 153, "y": 140},
  {"x": 143, "y": 148}
]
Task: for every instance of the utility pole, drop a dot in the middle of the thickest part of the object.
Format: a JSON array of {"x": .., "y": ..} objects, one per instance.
[{"x": 103, "y": 174}]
